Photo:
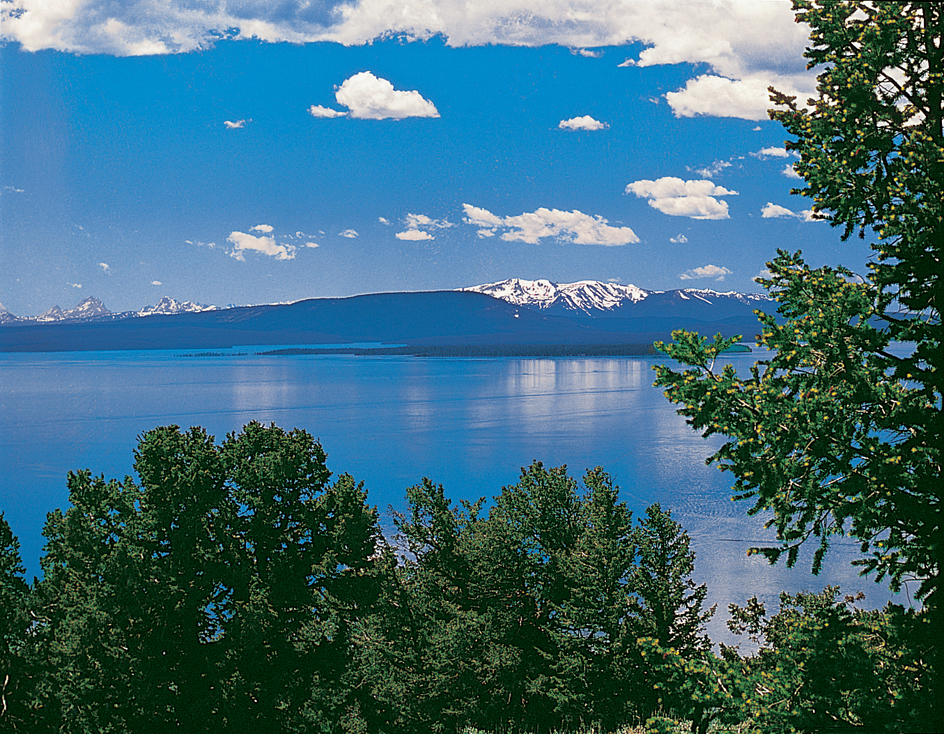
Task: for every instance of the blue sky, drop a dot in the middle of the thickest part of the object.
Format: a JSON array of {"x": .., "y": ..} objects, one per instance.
[{"x": 255, "y": 152}]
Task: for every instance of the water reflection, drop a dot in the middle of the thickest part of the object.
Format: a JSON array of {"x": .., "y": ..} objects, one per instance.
[{"x": 470, "y": 424}]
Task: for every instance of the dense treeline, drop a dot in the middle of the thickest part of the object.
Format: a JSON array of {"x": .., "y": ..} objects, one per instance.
[{"x": 236, "y": 587}]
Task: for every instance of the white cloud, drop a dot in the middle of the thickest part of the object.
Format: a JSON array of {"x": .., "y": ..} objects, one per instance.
[
  {"x": 371, "y": 98},
  {"x": 575, "y": 227},
  {"x": 230, "y": 125},
  {"x": 316, "y": 110},
  {"x": 764, "y": 274},
  {"x": 312, "y": 244},
  {"x": 706, "y": 271},
  {"x": 790, "y": 172},
  {"x": 74, "y": 285},
  {"x": 418, "y": 226},
  {"x": 267, "y": 228},
  {"x": 582, "y": 123},
  {"x": 383, "y": 220},
  {"x": 772, "y": 152},
  {"x": 713, "y": 170},
  {"x": 747, "y": 46},
  {"x": 775, "y": 211},
  {"x": 678, "y": 198},
  {"x": 349, "y": 233},
  {"x": 264, "y": 244},
  {"x": 588, "y": 53},
  {"x": 723, "y": 35},
  {"x": 414, "y": 221},
  {"x": 710, "y": 95},
  {"x": 105, "y": 267},
  {"x": 156, "y": 282},
  {"x": 680, "y": 240},
  {"x": 414, "y": 235}
]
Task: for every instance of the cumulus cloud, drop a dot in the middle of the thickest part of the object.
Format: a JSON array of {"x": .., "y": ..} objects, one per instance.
[
  {"x": 418, "y": 227},
  {"x": 316, "y": 110},
  {"x": 678, "y": 198},
  {"x": 74, "y": 285},
  {"x": 713, "y": 170},
  {"x": 349, "y": 233},
  {"x": 722, "y": 36},
  {"x": 582, "y": 123},
  {"x": 371, "y": 98},
  {"x": 415, "y": 221},
  {"x": 156, "y": 282},
  {"x": 773, "y": 152},
  {"x": 575, "y": 227},
  {"x": 105, "y": 267},
  {"x": 775, "y": 211},
  {"x": 710, "y": 95},
  {"x": 263, "y": 244},
  {"x": 764, "y": 274},
  {"x": 790, "y": 172},
  {"x": 414, "y": 235},
  {"x": 706, "y": 271},
  {"x": 680, "y": 240},
  {"x": 230, "y": 125}
]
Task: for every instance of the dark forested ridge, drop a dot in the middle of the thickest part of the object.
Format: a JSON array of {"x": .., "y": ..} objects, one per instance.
[
  {"x": 237, "y": 586},
  {"x": 437, "y": 318}
]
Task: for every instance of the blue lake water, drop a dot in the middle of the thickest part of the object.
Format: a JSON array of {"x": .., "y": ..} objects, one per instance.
[{"x": 469, "y": 424}]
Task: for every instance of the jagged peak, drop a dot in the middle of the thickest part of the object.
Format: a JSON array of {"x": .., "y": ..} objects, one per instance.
[{"x": 582, "y": 295}]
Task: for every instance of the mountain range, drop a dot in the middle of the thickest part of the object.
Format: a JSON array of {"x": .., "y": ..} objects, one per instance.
[
  {"x": 93, "y": 309},
  {"x": 510, "y": 312}
]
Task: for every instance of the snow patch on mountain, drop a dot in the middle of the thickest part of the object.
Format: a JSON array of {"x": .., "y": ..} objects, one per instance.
[
  {"x": 585, "y": 296},
  {"x": 167, "y": 306},
  {"x": 707, "y": 295},
  {"x": 6, "y": 316}
]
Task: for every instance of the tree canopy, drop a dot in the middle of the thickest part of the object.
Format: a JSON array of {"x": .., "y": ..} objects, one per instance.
[
  {"x": 841, "y": 430},
  {"x": 838, "y": 432},
  {"x": 217, "y": 593}
]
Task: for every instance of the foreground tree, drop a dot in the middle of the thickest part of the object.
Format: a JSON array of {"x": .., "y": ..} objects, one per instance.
[
  {"x": 836, "y": 434},
  {"x": 14, "y": 623},
  {"x": 824, "y": 665},
  {"x": 522, "y": 616},
  {"x": 667, "y": 609},
  {"x": 216, "y": 594}
]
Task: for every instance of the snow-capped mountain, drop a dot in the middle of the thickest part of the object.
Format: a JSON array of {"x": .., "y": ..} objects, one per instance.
[
  {"x": 6, "y": 316},
  {"x": 168, "y": 306},
  {"x": 53, "y": 314},
  {"x": 90, "y": 308},
  {"x": 586, "y": 297},
  {"x": 611, "y": 300}
]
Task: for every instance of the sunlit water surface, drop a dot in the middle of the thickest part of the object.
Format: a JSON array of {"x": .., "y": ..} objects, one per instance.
[{"x": 469, "y": 424}]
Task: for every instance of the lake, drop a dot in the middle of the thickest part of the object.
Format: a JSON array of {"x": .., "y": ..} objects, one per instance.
[{"x": 469, "y": 424}]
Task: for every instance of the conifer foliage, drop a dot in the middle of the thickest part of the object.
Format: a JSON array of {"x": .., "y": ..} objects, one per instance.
[
  {"x": 235, "y": 587},
  {"x": 841, "y": 431},
  {"x": 215, "y": 594}
]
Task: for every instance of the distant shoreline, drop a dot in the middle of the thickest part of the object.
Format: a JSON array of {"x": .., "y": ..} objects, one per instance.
[{"x": 496, "y": 350}]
